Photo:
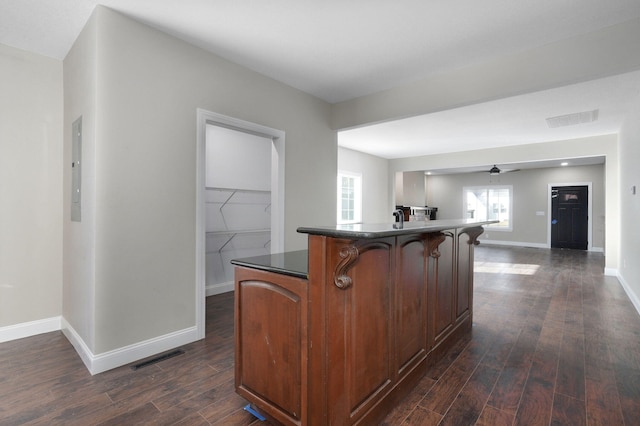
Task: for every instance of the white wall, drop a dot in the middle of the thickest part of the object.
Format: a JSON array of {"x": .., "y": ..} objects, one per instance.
[
  {"x": 530, "y": 195},
  {"x": 148, "y": 88},
  {"x": 237, "y": 160},
  {"x": 630, "y": 205},
  {"x": 376, "y": 207},
  {"x": 398, "y": 187},
  {"x": 414, "y": 189},
  {"x": 30, "y": 188}
]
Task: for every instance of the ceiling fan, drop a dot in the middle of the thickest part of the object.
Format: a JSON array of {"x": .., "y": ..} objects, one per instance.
[{"x": 495, "y": 170}]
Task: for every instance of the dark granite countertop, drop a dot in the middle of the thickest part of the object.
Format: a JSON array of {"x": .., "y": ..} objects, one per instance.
[
  {"x": 293, "y": 263},
  {"x": 296, "y": 263},
  {"x": 379, "y": 230}
]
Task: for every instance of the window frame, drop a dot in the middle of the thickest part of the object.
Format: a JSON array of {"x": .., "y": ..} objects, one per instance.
[
  {"x": 357, "y": 207},
  {"x": 487, "y": 188}
]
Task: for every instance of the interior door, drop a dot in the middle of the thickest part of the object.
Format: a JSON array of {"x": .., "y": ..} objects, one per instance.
[{"x": 569, "y": 217}]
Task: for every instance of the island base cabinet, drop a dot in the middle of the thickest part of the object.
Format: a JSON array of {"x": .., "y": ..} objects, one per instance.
[
  {"x": 346, "y": 345},
  {"x": 271, "y": 322}
]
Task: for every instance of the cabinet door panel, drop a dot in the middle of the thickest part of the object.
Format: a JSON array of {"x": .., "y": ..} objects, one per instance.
[
  {"x": 445, "y": 287},
  {"x": 411, "y": 296},
  {"x": 369, "y": 334},
  {"x": 465, "y": 277},
  {"x": 359, "y": 329},
  {"x": 270, "y": 327}
]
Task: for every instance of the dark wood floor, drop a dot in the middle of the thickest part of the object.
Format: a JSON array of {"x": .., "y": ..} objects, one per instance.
[{"x": 554, "y": 342}]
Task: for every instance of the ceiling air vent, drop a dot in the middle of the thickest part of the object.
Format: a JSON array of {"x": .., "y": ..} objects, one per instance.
[{"x": 572, "y": 119}]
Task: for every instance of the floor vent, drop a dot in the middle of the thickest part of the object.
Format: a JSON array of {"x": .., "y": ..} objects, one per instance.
[{"x": 157, "y": 359}]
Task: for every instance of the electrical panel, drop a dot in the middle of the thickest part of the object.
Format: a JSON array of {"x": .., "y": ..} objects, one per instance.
[{"x": 76, "y": 169}]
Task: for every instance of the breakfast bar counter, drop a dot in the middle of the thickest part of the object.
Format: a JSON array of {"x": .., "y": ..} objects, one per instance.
[{"x": 339, "y": 333}]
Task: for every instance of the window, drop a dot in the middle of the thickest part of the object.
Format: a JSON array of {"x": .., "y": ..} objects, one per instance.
[
  {"x": 349, "y": 197},
  {"x": 489, "y": 203}
]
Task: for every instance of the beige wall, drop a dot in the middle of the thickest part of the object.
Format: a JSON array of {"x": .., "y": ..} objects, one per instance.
[
  {"x": 612, "y": 50},
  {"x": 376, "y": 207},
  {"x": 148, "y": 86},
  {"x": 414, "y": 190},
  {"x": 30, "y": 187},
  {"x": 594, "y": 146},
  {"x": 128, "y": 268},
  {"x": 80, "y": 88},
  {"x": 530, "y": 195},
  {"x": 630, "y": 204}
]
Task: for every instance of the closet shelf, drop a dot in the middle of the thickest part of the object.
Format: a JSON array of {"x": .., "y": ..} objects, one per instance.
[
  {"x": 240, "y": 222},
  {"x": 216, "y": 188},
  {"x": 239, "y": 231},
  {"x": 232, "y": 235}
]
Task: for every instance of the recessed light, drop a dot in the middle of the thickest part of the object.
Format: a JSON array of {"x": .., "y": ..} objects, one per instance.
[{"x": 564, "y": 164}]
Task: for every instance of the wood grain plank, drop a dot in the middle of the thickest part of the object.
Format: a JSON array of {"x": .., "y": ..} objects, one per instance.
[
  {"x": 409, "y": 403},
  {"x": 445, "y": 391},
  {"x": 568, "y": 411},
  {"x": 470, "y": 402},
  {"x": 138, "y": 415},
  {"x": 537, "y": 397},
  {"x": 571, "y": 366},
  {"x": 493, "y": 417},
  {"x": 422, "y": 417},
  {"x": 628, "y": 381}
]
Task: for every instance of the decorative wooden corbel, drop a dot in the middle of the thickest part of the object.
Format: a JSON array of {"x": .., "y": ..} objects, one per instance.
[
  {"x": 433, "y": 243},
  {"x": 349, "y": 255},
  {"x": 473, "y": 234}
]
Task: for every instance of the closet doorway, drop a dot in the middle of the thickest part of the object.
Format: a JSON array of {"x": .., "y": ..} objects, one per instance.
[{"x": 240, "y": 200}]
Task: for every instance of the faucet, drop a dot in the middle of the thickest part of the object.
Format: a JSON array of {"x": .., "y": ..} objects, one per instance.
[{"x": 399, "y": 214}]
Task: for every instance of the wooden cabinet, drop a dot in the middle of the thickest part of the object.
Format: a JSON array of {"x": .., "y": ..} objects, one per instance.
[
  {"x": 271, "y": 323},
  {"x": 450, "y": 285},
  {"x": 344, "y": 345}
]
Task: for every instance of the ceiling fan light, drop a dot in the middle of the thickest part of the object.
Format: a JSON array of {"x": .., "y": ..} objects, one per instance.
[{"x": 494, "y": 170}]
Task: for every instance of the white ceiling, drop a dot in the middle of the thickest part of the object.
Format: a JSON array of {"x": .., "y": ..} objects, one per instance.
[
  {"x": 510, "y": 121},
  {"x": 338, "y": 50},
  {"x": 514, "y": 167}
]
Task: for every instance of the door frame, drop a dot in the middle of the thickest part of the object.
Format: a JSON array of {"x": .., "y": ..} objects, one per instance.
[
  {"x": 589, "y": 211},
  {"x": 205, "y": 118}
]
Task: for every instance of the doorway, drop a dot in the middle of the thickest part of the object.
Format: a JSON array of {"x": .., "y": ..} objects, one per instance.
[
  {"x": 276, "y": 241},
  {"x": 237, "y": 202},
  {"x": 570, "y": 217}
]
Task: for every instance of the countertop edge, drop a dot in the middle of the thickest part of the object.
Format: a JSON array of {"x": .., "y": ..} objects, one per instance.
[
  {"x": 285, "y": 263},
  {"x": 381, "y": 230}
]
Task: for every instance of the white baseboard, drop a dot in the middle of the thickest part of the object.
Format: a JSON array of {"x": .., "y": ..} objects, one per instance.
[
  {"x": 534, "y": 245},
  {"x": 127, "y": 354},
  {"x": 611, "y": 272},
  {"x": 513, "y": 243},
  {"x": 632, "y": 296},
  {"x": 31, "y": 328},
  {"x": 212, "y": 290}
]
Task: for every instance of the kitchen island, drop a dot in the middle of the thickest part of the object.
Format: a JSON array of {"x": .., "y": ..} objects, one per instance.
[{"x": 339, "y": 333}]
